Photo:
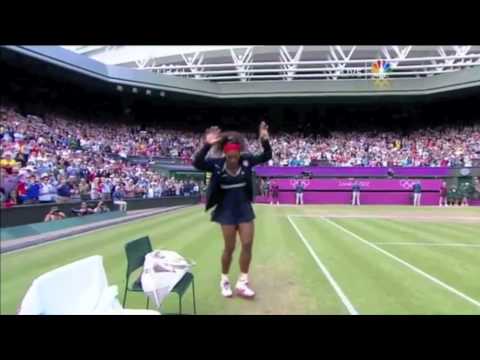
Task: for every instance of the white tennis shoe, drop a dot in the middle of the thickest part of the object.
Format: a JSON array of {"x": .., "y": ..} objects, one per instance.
[
  {"x": 243, "y": 290},
  {"x": 226, "y": 288}
]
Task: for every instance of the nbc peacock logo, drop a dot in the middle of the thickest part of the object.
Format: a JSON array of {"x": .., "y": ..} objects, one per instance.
[{"x": 380, "y": 69}]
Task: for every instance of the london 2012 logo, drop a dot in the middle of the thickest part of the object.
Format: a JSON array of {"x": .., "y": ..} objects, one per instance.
[{"x": 380, "y": 70}]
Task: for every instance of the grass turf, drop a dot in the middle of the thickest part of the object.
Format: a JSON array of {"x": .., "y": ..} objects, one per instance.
[{"x": 283, "y": 272}]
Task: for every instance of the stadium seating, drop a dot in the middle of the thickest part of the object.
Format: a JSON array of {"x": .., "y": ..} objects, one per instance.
[{"x": 87, "y": 160}]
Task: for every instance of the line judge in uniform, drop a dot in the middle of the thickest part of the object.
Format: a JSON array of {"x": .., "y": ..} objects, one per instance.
[
  {"x": 231, "y": 192},
  {"x": 299, "y": 187},
  {"x": 356, "y": 193}
]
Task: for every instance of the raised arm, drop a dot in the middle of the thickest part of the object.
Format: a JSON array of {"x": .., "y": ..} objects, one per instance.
[
  {"x": 212, "y": 136},
  {"x": 199, "y": 160},
  {"x": 266, "y": 155}
]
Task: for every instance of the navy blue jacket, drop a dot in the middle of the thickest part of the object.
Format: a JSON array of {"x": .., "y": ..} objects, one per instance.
[
  {"x": 118, "y": 195},
  {"x": 215, "y": 166},
  {"x": 64, "y": 190}
]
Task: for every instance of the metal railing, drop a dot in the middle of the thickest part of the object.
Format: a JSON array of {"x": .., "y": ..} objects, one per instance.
[{"x": 332, "y": 69}]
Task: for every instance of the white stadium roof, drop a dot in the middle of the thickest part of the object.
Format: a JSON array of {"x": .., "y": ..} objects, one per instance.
[{"x": 285, "y": 63}]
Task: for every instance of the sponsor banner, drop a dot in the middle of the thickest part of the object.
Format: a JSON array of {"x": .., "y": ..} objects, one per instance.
[
  {"x": 272, "y": 171},
  {"x": 365, "y": 185}
]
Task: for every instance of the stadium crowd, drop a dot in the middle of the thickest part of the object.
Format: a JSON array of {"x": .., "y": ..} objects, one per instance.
[
  {"x": 445, "y": 147},
  {"x": 57, "y": 159}
]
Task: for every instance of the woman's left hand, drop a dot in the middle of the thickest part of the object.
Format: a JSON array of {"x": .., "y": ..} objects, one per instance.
[{"x": 263, "y": 131}]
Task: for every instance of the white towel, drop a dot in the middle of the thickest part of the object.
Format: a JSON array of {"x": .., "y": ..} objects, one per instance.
[{"x": 162, "y": 270}]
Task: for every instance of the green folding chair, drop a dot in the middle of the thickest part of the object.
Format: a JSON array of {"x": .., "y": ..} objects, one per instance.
[
  {"x": 182, "y": 287},
  {"x": 136, "y": 251}
]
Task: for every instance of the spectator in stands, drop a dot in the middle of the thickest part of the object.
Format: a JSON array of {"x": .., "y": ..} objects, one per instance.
[
  {"x": 3, "y": 197},
  {"x": 9, "y": 181},
  {"x": 10, "y": 200},
  {"x": 177, "y": 187},
  {"x": 188, "y": 188},
  {"x": 119, "y": 197},
  {"x": 7, "y": 162},
  {"x": 101, "y": 208},
  {"x": 184, "y": 188},
  {"x": 3, "y": 176},
  {"x": 467, "y": 190},
  {"x": 158, "y": 189},
  {"x": 151, "y": 190},
  {"x": 81, "y": 149},
  {"x": 54, "y": 214},
  {"x": 139, "y": 189},
  {"x": 47, "y": 192},
  {"x": 21, "y": 157},
  {"x": 84, "y": 190},
  {"x": 84, "y": 210},
  {"x": 452, "y": 195},
  {"x": 22, "y": 190},
  {"x": 129, "y": 189},
  {"x": 106, "y": 189},
  {"x": 64, "y": 191},
  {"x": 33, "y": 189},
  {"x": 95, "y": 189}
]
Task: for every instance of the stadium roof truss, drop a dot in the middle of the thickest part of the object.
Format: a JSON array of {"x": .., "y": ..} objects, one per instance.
[{"x": 226, "y": 64}]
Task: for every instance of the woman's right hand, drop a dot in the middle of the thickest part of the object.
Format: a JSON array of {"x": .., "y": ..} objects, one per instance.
[{"x": 212, "y": 135}]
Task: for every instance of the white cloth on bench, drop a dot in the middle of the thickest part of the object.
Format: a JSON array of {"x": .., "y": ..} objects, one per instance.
[{"x": 77, "y": 288}]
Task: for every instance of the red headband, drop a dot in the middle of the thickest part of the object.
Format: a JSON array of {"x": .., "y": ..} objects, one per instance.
[{"x": 231, "y": 147}]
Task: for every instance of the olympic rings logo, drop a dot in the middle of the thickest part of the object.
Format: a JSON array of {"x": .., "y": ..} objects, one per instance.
[
  {"x": 407, "y": 184},
  {"x": 305, "y": 183}
]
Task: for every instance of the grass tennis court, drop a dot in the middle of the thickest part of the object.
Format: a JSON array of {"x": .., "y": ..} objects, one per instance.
[{"x": 307, "y": 260}]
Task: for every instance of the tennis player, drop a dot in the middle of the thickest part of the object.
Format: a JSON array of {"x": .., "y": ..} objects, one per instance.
[{"x": 231, "y": 192}]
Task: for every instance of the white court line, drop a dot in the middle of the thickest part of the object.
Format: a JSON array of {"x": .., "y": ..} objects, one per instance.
[
  {"x": 403, "y": 262},
  {"x": 325, "y": 271},
  {"x": 427, "y": 244},
  {"x": 391, "y": 217}
]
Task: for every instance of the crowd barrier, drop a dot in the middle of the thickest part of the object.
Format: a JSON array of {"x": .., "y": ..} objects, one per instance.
[
  {"x": 29, "y": 214},
  {"x": 16, "y": 232}
]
